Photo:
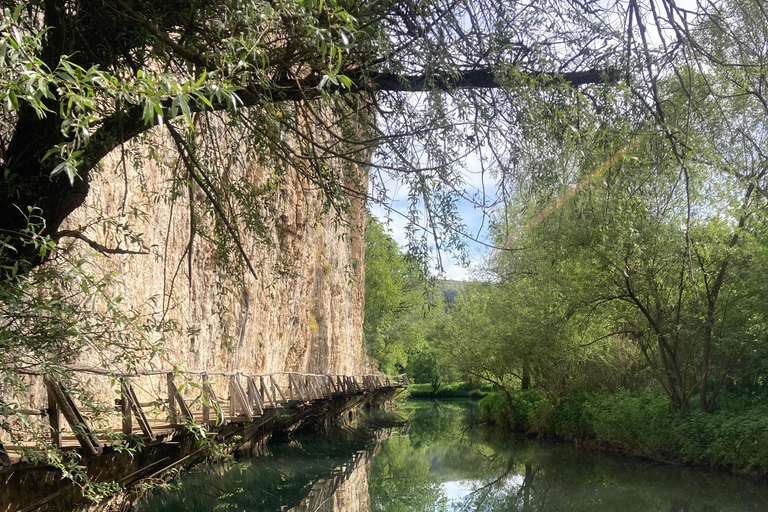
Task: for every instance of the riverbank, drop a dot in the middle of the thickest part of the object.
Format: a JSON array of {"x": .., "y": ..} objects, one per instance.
[
  {"x": 733, "y": 437},
  {"x": 452, "y": 390}
]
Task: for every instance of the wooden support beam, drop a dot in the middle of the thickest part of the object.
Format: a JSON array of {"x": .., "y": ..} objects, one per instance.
[
  {"x": 265, "y": 394},
  {"x": 294, "y": 388},
  {"x": 326, "y": 386},
  {"x": 54, "y": 419},
  {"x": 205, "y": 399},
  {"x": 84, "y": 436},
  {"x": 332, "y": 389},
  {"x": 238, "y": 400},
  {"x": 305, "y": 388},
  {"x": 175, "y": 399},
  {"x": 138, "y": 412},
  {"x": 302, "y": 388},
  {"x": 276, "y": 387},
  {"x": 210, "y": 400},
  {"x": 125, "y": 406},
  {"x": 312, "y": 384},
  {"x": 254, "y": 397},
  {"x": 322, "y": 386},
  {"x": 347, "y": 384}
]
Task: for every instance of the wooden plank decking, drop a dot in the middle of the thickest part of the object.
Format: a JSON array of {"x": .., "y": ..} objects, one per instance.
[{"x": 251, "y": 397}]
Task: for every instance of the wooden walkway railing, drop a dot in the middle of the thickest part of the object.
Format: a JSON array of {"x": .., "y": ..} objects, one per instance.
[{"x": 251, "y": 396}]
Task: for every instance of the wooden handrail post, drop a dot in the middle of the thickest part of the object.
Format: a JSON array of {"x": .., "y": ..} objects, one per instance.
[
  {"x": 125, "y": 406},
  {"x": 54, "y": 418},
  {"x": 204, "y": 399},
  {"x": 238, "y": 399},
  {"x": 85, "y": 437},
  {"x": 175, "y": 399},
  {"x": 306, "y": 387},
  {"x": 303, "y": 389},
  {"x": 276, "y": 387},
  {"x": 254, "y": 397},
  {"x": 264, "y": 389},
  {"x": 171, "y": 396},
  {"x": 210, "y": 399},
  {"x": 312, "y": 381},
  {"x": 130, "y": 396}
]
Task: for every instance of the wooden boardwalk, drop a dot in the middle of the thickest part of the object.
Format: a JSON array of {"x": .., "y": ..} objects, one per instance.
[{"x": 190, "y": 401}]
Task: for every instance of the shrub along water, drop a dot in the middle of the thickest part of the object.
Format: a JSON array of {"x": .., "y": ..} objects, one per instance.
[
  {"x": 452, "y": 390},
  {"x": 734, "y": 436}
]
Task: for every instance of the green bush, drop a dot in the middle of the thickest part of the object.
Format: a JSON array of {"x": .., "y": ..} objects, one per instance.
[
  {"x": 452, "y": 390},
  {"x": 526, "y": 406},
  {"x": 494, "y": 409},
  {"x": 570, "y": 420},
  {"x": 734, "y": 436}
]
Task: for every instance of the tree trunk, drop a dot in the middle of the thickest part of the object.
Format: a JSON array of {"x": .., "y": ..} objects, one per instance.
[{"x": 525, "y": 381}]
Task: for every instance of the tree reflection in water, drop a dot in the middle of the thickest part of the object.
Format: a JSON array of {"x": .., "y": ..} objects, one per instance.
[
  {"x": 318, "y": 471},
  {"x": 448, "y": 462},
  {"x": 451, "y": 463}
]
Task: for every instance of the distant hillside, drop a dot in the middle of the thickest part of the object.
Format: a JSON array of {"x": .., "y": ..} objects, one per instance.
[{"x": 450, "y": 288}]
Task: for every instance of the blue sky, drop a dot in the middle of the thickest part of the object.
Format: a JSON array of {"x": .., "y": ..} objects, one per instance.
[{"x": 475, "y": 220}]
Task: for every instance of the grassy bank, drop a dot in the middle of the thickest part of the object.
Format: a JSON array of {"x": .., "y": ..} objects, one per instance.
[
  {"x": 453, "y": 390},
  {"x": 734, "y": 436}
]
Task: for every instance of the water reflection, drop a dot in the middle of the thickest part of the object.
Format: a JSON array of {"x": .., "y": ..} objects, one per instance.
[
  {"x": 441, "y": 459},
  {"x": 319, "y": 471},
  {"x": 472, "y": 468}
]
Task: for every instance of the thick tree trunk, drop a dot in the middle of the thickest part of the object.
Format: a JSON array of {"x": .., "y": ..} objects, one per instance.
[{"x": 525, "y": 381}]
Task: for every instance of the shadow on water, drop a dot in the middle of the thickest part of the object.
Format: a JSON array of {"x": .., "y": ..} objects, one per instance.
[
  {"x": 301, "y": 472},
  {"x": 440, "y": 458}
]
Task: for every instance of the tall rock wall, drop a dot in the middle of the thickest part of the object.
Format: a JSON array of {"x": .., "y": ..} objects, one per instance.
[{"x": 302, "y": 312}]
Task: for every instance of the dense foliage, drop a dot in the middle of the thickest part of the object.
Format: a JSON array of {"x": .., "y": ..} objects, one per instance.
[
  {"x": 636, "y": 259},
  {"x": 629, "y": 223},
  {"x": 310, "y": 90},
  {"x": 400, "y": 313}
]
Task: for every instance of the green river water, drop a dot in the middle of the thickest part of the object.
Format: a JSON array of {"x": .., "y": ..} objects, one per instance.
[{"x": 433, "y": 456}]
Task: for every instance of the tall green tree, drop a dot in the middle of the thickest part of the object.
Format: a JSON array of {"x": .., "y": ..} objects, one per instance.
[
  {"x": 650, "y": 245},
  {"x": 400, "y": 311}
]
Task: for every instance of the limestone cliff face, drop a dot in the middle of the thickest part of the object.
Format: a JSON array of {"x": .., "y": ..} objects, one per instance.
[{"x": 302, "y": 312}]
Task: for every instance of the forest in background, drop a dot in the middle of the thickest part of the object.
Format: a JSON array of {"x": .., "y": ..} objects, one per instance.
[{"x": 625, "y": 301}]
